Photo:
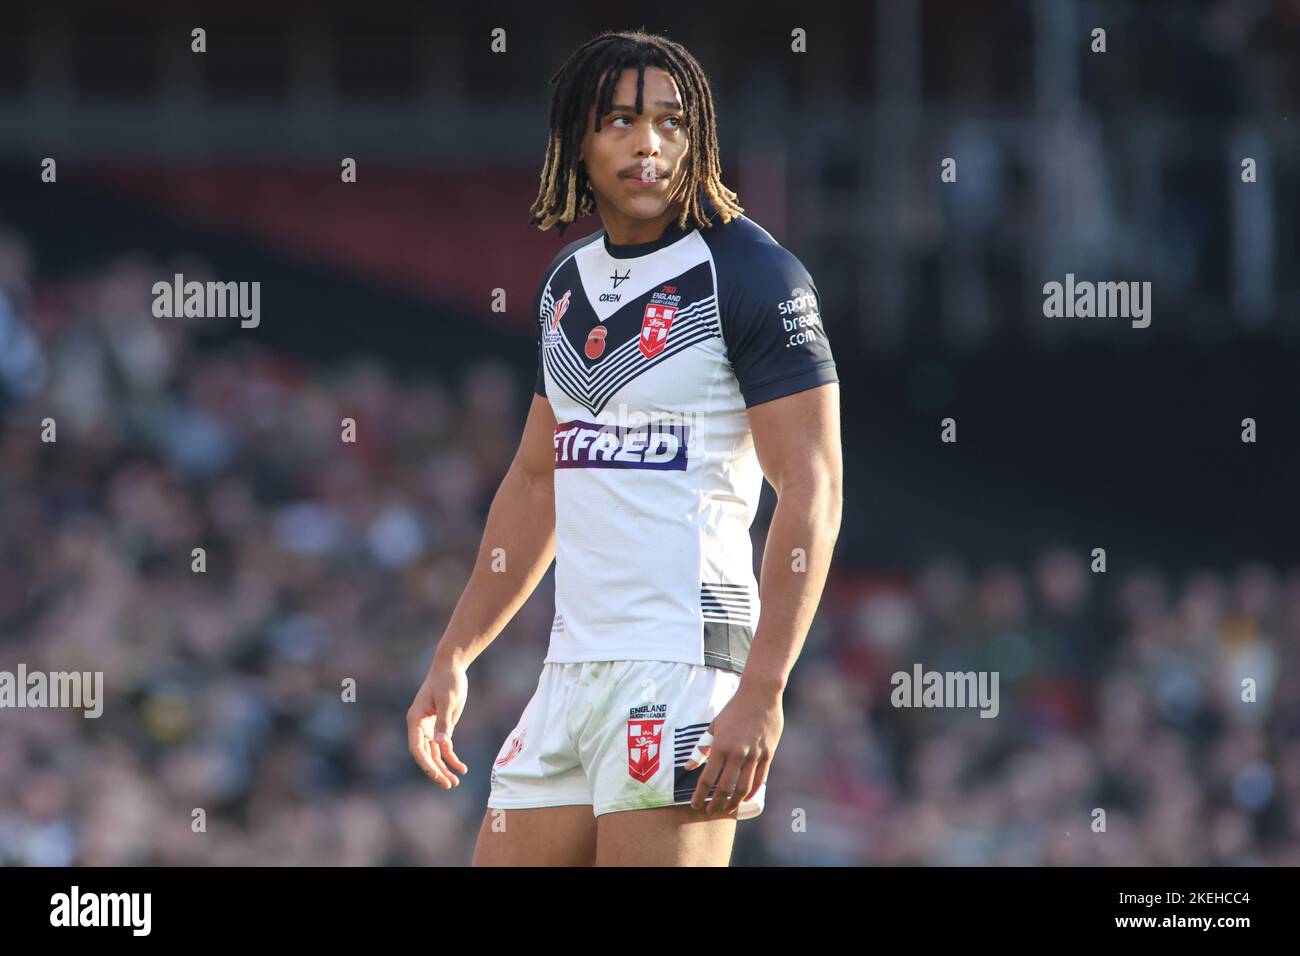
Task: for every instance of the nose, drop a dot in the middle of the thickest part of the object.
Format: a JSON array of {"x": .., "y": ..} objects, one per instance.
[{"x": 648, "y": 142}]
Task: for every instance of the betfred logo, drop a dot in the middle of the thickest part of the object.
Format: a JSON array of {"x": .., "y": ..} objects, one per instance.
[
  {"x": 660, "y": 447},
  {"x": 656, "y": 322},
  {"x": 643, "y": 745}
]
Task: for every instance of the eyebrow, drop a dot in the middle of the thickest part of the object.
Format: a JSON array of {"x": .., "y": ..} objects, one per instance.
[{"x": 662, "y": 104}]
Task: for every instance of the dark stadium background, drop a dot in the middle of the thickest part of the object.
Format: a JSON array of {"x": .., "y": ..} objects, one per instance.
[{"x": 1120, "y": 690}]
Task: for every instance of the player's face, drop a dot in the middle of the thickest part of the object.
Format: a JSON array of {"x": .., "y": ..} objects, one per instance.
[{"x": 636, "y": 161}]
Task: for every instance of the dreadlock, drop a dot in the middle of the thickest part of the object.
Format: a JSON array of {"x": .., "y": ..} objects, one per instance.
[{"x": 588, "y": 77}]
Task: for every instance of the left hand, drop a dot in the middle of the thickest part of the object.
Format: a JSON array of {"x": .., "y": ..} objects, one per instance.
[{"x": 745, "y": 734}]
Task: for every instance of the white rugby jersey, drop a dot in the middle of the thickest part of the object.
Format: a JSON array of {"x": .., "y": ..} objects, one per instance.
[{"x": 649, "y": 355}]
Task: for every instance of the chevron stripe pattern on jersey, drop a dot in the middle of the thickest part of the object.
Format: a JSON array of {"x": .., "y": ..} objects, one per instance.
[{"x": 592, "y": 385}]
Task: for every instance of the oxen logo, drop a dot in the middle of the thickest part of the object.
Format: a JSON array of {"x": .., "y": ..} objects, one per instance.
[
  {"x": 656, "y": 322},
  {"x": 595, "y": 346},
  {"x": 643, "y": 740}
]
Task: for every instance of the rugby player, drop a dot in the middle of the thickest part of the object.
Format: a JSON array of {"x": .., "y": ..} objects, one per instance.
[{"x": 681, "y": 359}]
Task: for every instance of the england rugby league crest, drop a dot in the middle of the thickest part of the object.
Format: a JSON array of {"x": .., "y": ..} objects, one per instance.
[
  {"x": 656, "y": 322},
  {"x": 644, "y": 737}
]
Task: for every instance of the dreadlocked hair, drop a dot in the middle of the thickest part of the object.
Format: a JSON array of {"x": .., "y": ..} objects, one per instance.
[{"x": 589, "y": 76}]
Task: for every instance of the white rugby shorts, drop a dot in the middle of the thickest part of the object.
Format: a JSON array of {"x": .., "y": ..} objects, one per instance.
[{"x": 613, "y": 735}]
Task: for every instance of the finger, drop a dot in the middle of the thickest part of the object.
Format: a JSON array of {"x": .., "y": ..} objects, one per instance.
[
  {"x": 449, "y": 755},
  {"x": 726, "y": 785},
  {"x": 744, "y": 780},
  {"x": 435, "y": 751},
  {"x": 418, "y": 743},
  {"x": 709, "y": 780},
  {"x": 702, "y": 785},
  {"x": 760, "y": 775},
  {"x": 698, "y": 756}
]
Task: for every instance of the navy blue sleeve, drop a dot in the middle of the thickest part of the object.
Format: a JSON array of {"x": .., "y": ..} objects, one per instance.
[
  {"x": 772, "y": 323},
  {"x": 540, "y": 387}
]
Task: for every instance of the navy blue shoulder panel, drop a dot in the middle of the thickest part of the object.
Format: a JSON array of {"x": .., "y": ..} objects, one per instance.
[{"x": 770, "y": 314}]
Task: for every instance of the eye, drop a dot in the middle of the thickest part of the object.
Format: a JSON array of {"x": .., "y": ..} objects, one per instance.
[
  {"x": 677, "y": 120},
  {"x": 620, "y": 117}
]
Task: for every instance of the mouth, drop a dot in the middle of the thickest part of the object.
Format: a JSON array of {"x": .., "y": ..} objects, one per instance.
[{"x": 639, "y": 183}]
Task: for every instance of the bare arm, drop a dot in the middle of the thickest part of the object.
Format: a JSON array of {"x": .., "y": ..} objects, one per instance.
[
  {"x": 517, "y": 547},
  {"x": 518, "y": 544},
  {"x": 797, "y": 440}
]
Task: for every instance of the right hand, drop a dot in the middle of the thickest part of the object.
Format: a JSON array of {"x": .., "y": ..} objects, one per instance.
[{"x": 431, "y": 719}]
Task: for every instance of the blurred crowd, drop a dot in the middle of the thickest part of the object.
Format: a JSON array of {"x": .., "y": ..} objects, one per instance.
[{"x": 1143, "y": 720}]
